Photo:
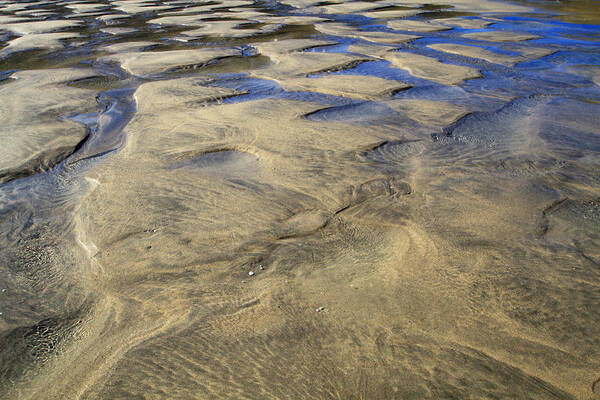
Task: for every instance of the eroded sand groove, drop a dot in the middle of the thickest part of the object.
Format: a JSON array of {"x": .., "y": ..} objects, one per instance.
[{"x": 298, "y": 199}]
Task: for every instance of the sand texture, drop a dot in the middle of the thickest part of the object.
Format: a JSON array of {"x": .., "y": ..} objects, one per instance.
[
  {"x": 303, "y": 64},
  {"x": 417, "y": 26},
  {"x": 500, "y": 36},
  {"x": 367, "y": 87},
  {"x": 34, "y": 140},
  {"x": 336, "y": 29},
  {"x": 290, "y": 45},
  {"x": 431, "y": 69},
  {"x": 150, "y": 63},
  {"x": 477, "y": 52},
  {"x": 36, "y": 41},
  {"x": 383, "y": 200}
]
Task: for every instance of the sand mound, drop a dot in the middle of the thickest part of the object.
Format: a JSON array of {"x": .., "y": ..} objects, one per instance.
[
  {"x": 303, "y": 64},
  {"x": 500, "y": 36},
  {"x": 150, "y": 63},
  {"x": 477, "y": 52},
  {"x": 36, "y": 132},
  {"x": 365, "y": 87},
  {"x": 431, "y": 69}
]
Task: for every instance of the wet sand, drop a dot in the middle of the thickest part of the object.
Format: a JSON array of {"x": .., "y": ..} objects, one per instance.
[{"x": 299, "y": 200}]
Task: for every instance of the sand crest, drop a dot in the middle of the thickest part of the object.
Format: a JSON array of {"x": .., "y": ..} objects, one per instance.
[
  {"x": 26, "y": 28},
  {"x": 466, "y": 23},
  {"x": 477, "y": 52},
  {"x": 365, "y": 87},
  {"x": 500, "y": 36},
  {"x": 431, "y": 69},
  {"x": 337, "y": 29},
  {"x": 432, "y": 113},
  {"x": 36, "y": 132},
  {"x": 301, "y": 64},
  {"x": 150, "y": 63},
  {"x": 417, "y": 26},
  {"x": 35, "y": 41},
  {"x": 232, "y": 29},
  {"x": 290, "y": 45}
]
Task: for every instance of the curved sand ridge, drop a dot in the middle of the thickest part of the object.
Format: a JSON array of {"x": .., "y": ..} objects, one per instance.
[
  {"x": 37, "y": 35},
  {"x": 84, "y": 8},
  {"x": 431, "y": 69},
  {"x": 526, "y": 53},
  {"x": 500, "y": 36},
  {"x": 230, "y": 29},
  {"x": 286, "y": 65},
  {"x": 151, "y": 63},
  {"x": 418, "y": 26},
  {"x": 468, "y": 5},
  {"x": 337, "y": 29},
  {"x": 26, "y": 28},
  {"x": 34, "y": 140},
  {"x": 308, "y": 206},
  {"x": 478, "y": 52},
  {"x": 36, "y": 41},
  {"x": 368, "y": 87}
]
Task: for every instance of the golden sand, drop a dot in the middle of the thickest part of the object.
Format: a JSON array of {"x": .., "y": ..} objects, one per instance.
[
  {"x": 431, "y": 69},
  {"x": 297, "y": 203},
  {"x": 500, "y": 36},
  {"x": 34, "y": 140}
]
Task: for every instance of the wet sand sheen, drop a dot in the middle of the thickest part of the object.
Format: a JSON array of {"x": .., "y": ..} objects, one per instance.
[{"x": 312, "y": 200}]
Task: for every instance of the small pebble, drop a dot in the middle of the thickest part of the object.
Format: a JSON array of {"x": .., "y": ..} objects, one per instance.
[
  {"x": 251, "y": 273},
  {"x": 261, "y": 267},
  {"x": 3, "y": 290},
  {"x": 320, "y": 309}
]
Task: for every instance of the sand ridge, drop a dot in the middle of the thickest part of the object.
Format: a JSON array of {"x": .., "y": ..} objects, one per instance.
[
  {"x": 149, "y": 63},
  {"x": 368, "y": 87},
  {"x": 431, "y": 69},
  {"x": 478, "y": 52},
  {"x": 37, "y": 41},
  {"x": 43, "y": 139},
  {"x": 337, "y": 29},
  {"x": 418, "y": 26},
  {"x": 500, "y": 36},
  {"x": 302, "y": 64}
]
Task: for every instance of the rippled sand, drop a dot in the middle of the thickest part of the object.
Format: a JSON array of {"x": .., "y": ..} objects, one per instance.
[{"x": 299, "y": 200}]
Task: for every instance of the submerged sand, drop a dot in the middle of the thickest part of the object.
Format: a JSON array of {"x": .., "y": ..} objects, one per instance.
[
  {"x": 34, "y": 136},
  {"x": 341, "y": 200}
]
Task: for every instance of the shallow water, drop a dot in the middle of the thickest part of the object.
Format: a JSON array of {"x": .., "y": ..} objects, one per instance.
[{"x": 335, "y": 200}]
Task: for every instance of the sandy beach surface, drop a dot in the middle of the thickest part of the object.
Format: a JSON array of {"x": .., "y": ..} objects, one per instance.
[{"x": 296, "y": 199}]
